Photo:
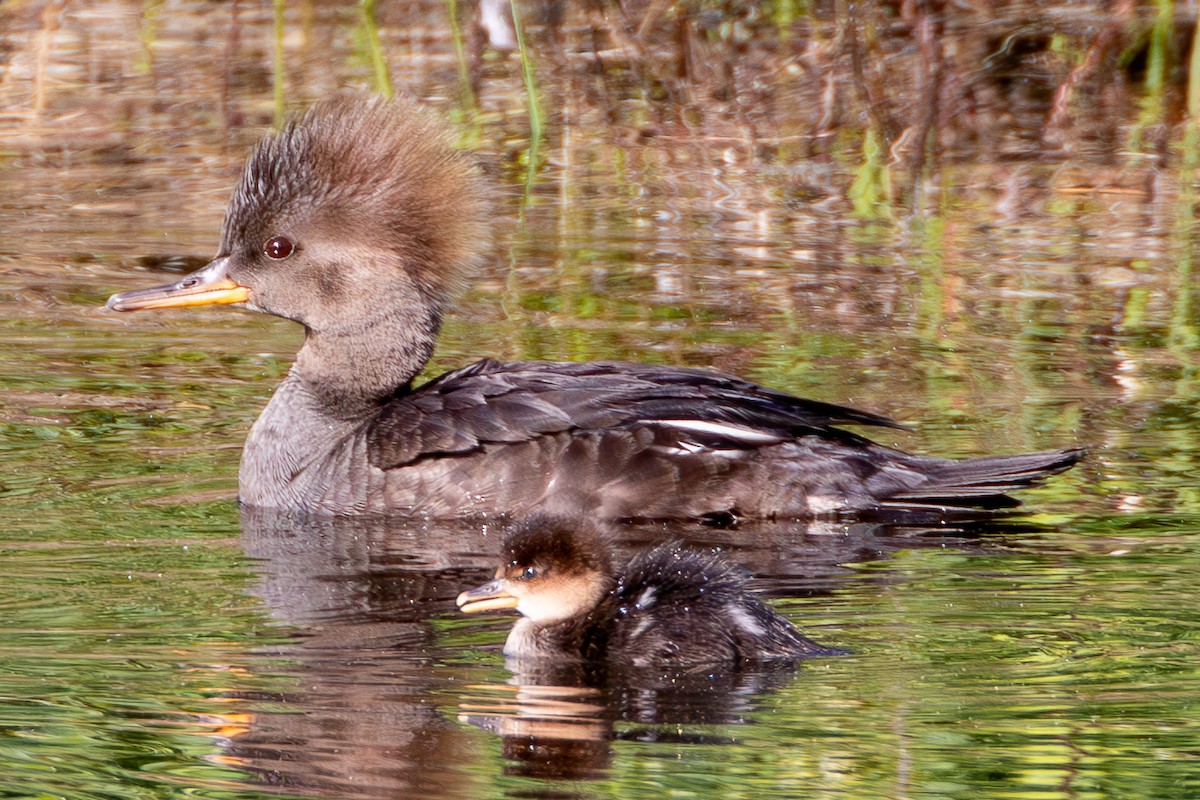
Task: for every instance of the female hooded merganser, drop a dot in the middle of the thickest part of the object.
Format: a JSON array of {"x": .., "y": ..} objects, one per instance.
[
  {"x": 670, "y": 606},
  {"x": 357, "y": 220}
]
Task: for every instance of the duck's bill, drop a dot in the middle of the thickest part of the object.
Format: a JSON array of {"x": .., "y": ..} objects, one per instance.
[
  {"x": 489, "y": 597},
  {"x": 209, "y": 286}
]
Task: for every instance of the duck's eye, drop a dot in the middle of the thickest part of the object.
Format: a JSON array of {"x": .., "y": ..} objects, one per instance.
[
  {"x": 529, "y": 573},
  {"x": 278, "y": 247}
]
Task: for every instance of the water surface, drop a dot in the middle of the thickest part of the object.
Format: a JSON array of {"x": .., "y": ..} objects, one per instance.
[{"x": 158, "y": 643}]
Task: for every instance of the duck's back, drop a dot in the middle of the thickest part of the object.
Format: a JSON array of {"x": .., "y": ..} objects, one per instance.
[{"x": 622, "y": 440}]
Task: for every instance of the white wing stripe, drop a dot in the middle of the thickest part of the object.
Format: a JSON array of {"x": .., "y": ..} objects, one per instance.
[{"x": 721, "y": 429}]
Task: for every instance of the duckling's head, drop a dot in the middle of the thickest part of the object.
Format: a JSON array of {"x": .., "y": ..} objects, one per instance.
[
  {"x": 356, "y": 207},
  {"x": 552, "y": 570}
]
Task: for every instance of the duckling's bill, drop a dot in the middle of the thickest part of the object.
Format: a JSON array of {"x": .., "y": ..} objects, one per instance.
[
  {"x": 489, "y": 597},
  {"x": 208, "y": 286}
]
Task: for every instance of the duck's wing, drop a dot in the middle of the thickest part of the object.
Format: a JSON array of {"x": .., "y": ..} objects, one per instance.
[
  {"x": 492, "y": 402},
  {"x": 634, "y": 440},
  {"x": 666, "y": 609},
  {"x": 689, "y": 605}
]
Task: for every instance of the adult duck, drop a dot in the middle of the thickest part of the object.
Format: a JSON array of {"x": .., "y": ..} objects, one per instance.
[{"x": 358, "y": 220}]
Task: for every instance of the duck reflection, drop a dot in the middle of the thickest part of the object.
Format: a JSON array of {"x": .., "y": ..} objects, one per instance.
[
  {"x": 377, "y": 681},
  {"x": 358, "y": 718}
]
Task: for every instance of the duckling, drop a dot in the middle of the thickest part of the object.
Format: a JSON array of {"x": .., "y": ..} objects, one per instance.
[
  {"x": 669, "y": 606},
  {"x": 358, "y": 221}
]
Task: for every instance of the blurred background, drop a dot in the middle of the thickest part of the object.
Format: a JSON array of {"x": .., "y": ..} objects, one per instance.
[{"x": 976, "y": 217}]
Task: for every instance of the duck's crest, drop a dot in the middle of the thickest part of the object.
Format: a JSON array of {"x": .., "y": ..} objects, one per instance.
[
  {"x": 375, "y": 168},
  {"x": 574, "y": 544}
]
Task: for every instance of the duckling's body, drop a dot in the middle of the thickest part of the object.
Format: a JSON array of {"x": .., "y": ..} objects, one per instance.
[
  {"x": 669, "y": 606},
  {"x": 358, "y": 220}
]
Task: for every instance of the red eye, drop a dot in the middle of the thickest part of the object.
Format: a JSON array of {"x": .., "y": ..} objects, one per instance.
[{"x": 278, "y": 247}]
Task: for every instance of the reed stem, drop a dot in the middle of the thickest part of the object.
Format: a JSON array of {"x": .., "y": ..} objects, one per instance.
[
  {"x": 383, "y": 78},
  {"x": 533, "y": 102},
  {"x": 280, "y": 110},
  {"x": 460, "y": 54}
]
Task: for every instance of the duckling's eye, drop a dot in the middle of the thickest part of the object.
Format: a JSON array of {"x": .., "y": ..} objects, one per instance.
[
  {"x": 278, "y": 247},
  {"x": 528, "y": 574}
]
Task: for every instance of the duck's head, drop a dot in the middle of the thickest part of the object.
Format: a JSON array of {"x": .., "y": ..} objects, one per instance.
[
  {"x": 354, "y": 208},
  {"x": 552, "y": 570}
]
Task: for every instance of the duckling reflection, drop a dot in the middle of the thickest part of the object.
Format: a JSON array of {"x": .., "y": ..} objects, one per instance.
[
  {"x": 670, "y": 606},
  {"x": 559, "y": 721}
]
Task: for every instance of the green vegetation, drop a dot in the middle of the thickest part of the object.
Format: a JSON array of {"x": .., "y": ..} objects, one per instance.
[{"x": 383, "y": 79}]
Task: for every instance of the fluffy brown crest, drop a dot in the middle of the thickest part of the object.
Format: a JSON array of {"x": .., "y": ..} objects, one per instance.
[
  {"x": 564, "y": 546},
  {"x": 382, "y": 171}
]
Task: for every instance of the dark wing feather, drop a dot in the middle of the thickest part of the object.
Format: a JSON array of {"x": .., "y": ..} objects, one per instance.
[
  {"x": 687, "y": 607},
  {"x": 988, "y": 477},
  {"x": 493, "y": 402}
]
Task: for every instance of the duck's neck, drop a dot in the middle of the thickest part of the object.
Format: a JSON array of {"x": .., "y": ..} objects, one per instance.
[
  {"x": 585, "y": 636},
  {"x": 295, "y": 455},
  {"x": 350, "y": 370}
]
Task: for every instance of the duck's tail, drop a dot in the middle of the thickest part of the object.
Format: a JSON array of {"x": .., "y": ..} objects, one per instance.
[{"x": 978, "y": 484}]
